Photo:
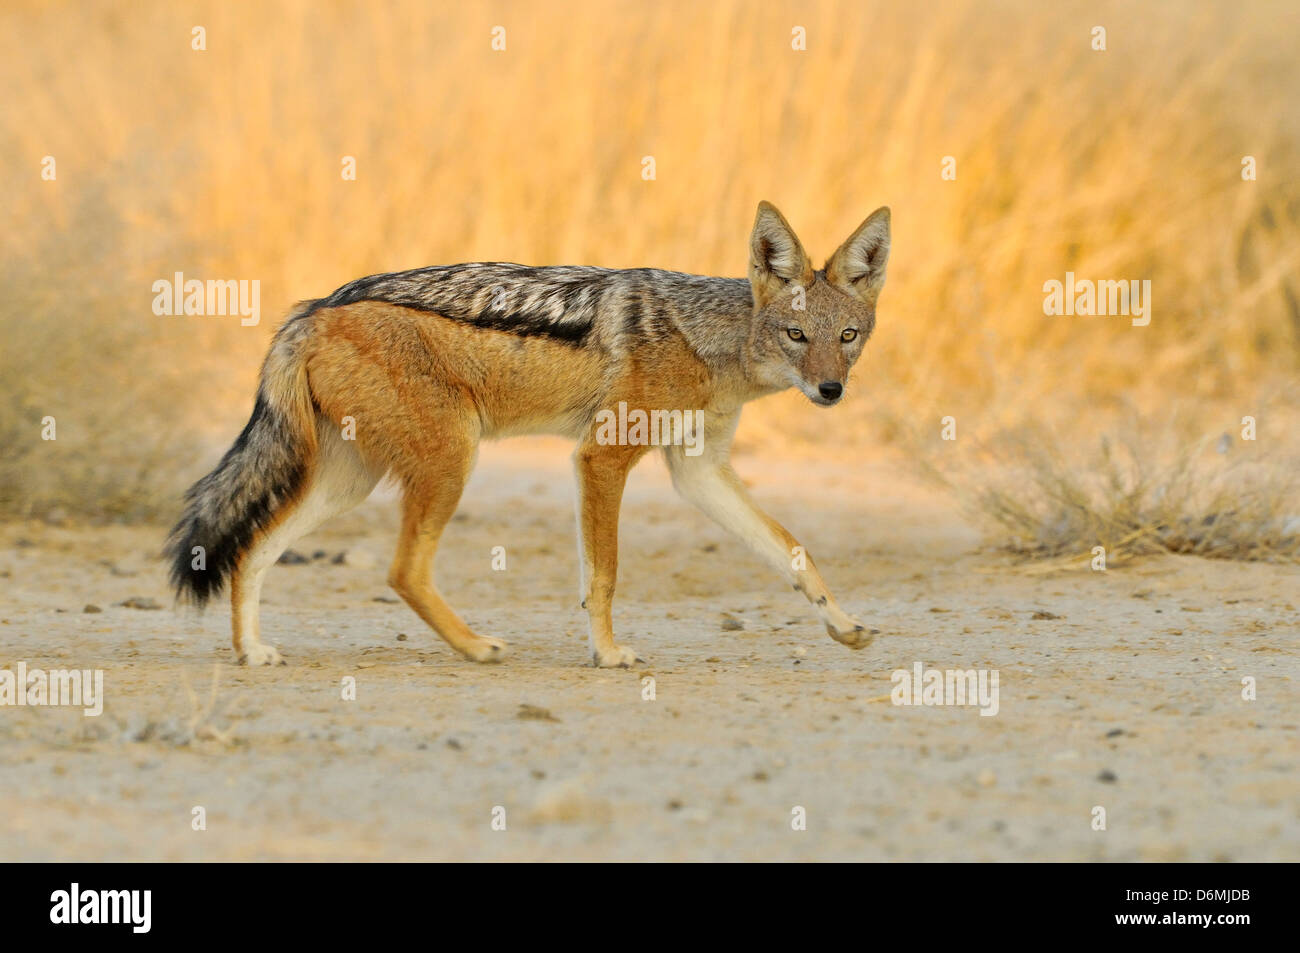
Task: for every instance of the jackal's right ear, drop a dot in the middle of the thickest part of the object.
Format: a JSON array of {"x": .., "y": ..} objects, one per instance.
[{"x": 775, "y": 256}]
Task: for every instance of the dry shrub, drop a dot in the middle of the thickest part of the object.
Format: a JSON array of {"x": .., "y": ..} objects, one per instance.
[{"x": 1220, "y": 498}]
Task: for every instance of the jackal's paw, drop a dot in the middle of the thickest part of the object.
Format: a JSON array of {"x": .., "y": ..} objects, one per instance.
[
  {"x": 260, "y": 653},
  {"x": 620, "y": 656},
  {"x": 484, "y": 649},
  {"x": 852, "y": 633}
]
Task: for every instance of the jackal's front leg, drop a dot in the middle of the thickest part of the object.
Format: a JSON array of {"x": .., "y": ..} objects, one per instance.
[
  {"x": 711, "y": 484},
  {"x": 602, "y": 474}
]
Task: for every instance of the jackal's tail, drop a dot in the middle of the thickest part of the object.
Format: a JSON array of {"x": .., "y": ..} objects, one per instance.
[{"x": 265, "y": 471}]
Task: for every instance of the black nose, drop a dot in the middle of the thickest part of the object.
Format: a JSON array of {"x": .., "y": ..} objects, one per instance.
[{"x": 830, "y": 390}]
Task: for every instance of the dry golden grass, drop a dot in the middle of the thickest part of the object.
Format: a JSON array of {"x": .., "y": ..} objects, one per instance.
[
  {"x": 1221, "y": 499},
  {"x": 226, "y": 163}
]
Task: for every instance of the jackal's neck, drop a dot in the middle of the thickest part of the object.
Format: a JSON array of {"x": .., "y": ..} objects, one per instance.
[{"x": 714, "y": 315}]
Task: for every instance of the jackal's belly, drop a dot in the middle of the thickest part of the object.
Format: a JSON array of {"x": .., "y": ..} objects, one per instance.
[
  {"x": 535, "y": 386},
  {"x": 537, "y": 414}
]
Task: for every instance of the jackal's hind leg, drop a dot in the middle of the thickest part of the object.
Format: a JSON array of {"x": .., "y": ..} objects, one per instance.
[
  {"x": 338, "y": 480},
  {"x": 428, "y": 502}
]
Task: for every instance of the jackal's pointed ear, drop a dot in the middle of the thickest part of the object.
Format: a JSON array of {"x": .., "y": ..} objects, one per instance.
[
  {"x": 775, "y": 256},
  {"x": 858, "y": 266}
]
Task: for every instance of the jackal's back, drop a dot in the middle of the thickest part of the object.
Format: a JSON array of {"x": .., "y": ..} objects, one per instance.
[{"x": 581, "y": 306}]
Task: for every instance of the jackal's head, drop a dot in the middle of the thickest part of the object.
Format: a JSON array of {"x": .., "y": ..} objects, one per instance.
[{"x": 810, "y": 326}]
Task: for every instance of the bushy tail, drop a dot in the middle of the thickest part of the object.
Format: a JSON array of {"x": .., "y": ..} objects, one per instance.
[{"x": 264, "y": 471}]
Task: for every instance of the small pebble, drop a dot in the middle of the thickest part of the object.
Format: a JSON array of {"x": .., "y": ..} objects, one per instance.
[{"x": 534, "y": 713}]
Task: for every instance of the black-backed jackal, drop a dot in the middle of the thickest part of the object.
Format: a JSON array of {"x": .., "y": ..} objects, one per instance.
[{"x": 429, "y": 362}]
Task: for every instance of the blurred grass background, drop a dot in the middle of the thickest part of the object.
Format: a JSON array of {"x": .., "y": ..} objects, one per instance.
[{"x": 225, "y": 163}]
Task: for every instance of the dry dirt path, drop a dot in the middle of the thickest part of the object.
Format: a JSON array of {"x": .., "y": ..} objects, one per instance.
[{"x": 1124, "y": 693}]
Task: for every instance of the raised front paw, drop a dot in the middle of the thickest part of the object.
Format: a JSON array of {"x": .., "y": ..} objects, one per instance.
[
  {"x": 483, "y": 649},
  {"x": 848, "y": 631},
  {"x": 617, "y": 656}
]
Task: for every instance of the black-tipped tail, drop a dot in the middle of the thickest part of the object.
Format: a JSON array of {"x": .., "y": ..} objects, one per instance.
[{"x": 231, "y": 506}]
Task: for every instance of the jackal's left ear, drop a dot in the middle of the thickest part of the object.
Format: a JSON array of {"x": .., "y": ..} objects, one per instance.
[{"x": 858, "y": 266}]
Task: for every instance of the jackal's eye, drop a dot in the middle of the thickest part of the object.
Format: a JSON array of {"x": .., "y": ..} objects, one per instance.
[
  {"x": 848, "y": 334},
  {"x": 795, "y": 334}
]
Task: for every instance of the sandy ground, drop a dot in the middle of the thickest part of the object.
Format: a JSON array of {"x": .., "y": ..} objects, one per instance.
[{"x": 1128, "y": 697}]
